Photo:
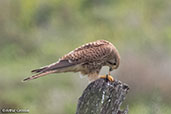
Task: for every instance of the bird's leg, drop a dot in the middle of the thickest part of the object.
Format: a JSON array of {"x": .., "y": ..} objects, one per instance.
[{"x": 108, "y": 77}]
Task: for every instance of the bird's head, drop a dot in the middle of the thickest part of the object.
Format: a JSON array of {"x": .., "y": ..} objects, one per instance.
[
  {"x": 114, "y": 60},
  {"x": 113, "y": 64}
]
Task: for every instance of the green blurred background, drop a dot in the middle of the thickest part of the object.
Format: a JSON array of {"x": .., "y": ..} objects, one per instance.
[{"x": 34, "y": 33}]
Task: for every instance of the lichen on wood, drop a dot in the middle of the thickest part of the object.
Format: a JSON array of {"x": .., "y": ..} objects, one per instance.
[{"x": 103, "y": 97}]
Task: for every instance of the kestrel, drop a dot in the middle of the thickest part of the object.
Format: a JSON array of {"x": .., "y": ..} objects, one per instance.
[{"x": 87, "y": 59}]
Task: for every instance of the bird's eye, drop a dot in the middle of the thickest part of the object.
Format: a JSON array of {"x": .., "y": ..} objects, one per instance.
[{"x": 111, "y": 63}]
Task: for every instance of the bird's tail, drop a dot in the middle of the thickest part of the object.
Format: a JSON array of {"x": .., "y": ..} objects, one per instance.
[
  {"x": 38, "y": 75},
  {"x": 60, "y": 66},
  {"x": 39, "y": 70}
]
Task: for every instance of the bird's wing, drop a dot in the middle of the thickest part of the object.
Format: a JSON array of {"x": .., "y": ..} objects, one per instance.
[
  {"x": 92, "y": 45},
  {"x": 57, "y": 65},
  {"x": 87, "y": 53},
  {"x": 90, "y": 52}
]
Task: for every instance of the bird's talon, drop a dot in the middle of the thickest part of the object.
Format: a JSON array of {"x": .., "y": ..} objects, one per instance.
[{"x": 108, "y": 77}]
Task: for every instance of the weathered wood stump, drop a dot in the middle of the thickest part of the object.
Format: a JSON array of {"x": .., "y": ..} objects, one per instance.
[{"x": 103, "y": 97}]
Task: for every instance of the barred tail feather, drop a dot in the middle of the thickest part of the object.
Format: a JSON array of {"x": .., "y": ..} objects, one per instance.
[
  {"x": 38, "y": 70},
  {"x": 38, "y": 75},
  {"x": 58, "y": 65}
]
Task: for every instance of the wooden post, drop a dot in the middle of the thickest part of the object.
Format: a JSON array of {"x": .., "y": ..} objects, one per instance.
[{"x": 103, "y": 97}]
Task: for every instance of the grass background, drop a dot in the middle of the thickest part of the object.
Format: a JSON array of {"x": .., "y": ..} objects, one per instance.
[{"x": 34, "y": 33}]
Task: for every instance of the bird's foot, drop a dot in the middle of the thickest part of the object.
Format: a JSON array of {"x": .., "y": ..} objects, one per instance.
[{"x": 108, "y": 77}]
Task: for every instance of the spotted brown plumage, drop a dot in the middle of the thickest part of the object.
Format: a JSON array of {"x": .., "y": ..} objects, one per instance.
[{"x": 87, "y": 59}]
